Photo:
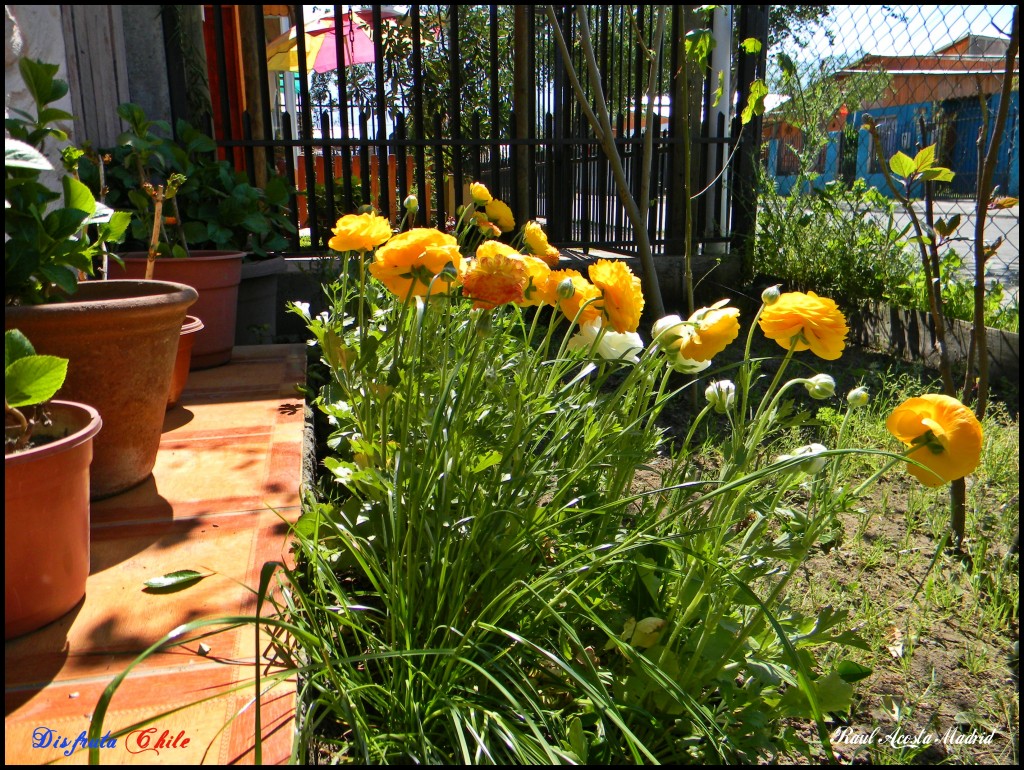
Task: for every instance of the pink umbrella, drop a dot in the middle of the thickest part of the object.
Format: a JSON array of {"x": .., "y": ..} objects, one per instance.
[{"x": 321, "y": 45}]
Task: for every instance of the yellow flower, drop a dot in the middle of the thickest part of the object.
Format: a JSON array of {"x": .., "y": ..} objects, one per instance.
[
  {"x": 359, "y": 232},
  {"x": 497, "y": 276},
  {"x": 501, "y": 215},
  {"x": 480, "y": 193},
  {"x": 622, "y": 301},
  {"x": 583, "y": 292},
  {"x": 946, "y": 432},
  {"x": 715, "y": 328},
  {"x": 814, "y": 322},
  {"x": 486, "y": 227},
  {"x": 538, "y": 291},
  {"x": 409, "y": 261},
  {"x": 537, "y": 244}
]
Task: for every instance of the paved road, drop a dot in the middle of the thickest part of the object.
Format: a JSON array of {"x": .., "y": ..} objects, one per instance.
[{"x": 1005, "y": 265}]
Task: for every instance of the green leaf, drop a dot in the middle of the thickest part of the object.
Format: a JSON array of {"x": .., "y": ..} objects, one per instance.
[
  {"x": 485, "y": 461},
  {"x": 755, "y": 102},
  {"x": 78, "y": 196},
  {"x": 938, "y": 174},
  {"x": 833, "y": 693},
  {"x": 925, "y": 159},
  {"x": 902, "y": 165},
  {"x": 18, "y": 154},
  {"x": 852, "y": 672},
  {"x": 787, "y": 65},
  {"x": 16, "y": 345},
  {"x": 33, "y": 379},
  {"x": 180, "y": 579},
  {"x": 751, "y": 45}
]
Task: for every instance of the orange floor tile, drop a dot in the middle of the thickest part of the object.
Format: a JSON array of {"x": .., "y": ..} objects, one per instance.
[{"x": 226, "y": 483}]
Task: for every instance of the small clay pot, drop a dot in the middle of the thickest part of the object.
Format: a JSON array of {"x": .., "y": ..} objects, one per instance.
[
  {"x": 179, "y": 377},
  {"x": 46, "y": 520}
]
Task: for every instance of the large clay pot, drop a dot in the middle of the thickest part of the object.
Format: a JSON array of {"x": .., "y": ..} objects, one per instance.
[
  {"x": 121, "y": 339},
  {"x": 46, "y": 521},
  {"x": 183, "y": 360},
  {"x": 257, "y": 301},
  {"x": 215, "y": 275}
]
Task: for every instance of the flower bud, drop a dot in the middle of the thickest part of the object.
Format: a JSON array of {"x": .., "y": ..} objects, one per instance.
[
  {"x": 814, "y": 462},
  {"x": 721, "y": 394},
  {"x": 667, "y": 330},
  {"x": 412, "y": 203},
  {"x": 365, "y": 209},
  {"x": 857, "y": 397},
  {"x": 565, "y": 289},
  {"x": 771, "y": 295},
  {"x": 821, "y": 386}
]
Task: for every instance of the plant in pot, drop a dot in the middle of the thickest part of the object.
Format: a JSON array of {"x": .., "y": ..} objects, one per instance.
[
  {"x": 47, "y": 452},
  {"x": 227, "y": 228},
  {"x": 120, "y": 336}
]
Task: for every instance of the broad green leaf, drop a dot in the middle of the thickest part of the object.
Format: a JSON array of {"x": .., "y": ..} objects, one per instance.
[
  {"x": 787, "y": 65},
  {"x": 718, "y": 91},
  {"x": 33, "y": 379},
  {"x": 78, "y": 196},
  {"x": 755, "y": 102},
  {"x": 178, "y": 579},
  {"x": 19, "y": 154},
  {"x": 937, "y": 174},
  {"x": 751, "y": 45},
  {"x": 485, "y": 461},
  {"x": 925, "y": 159},
  {"x": 902, "y": 165},
  {"x": 945, "y": 227},
  {"x": 852, "y": 672},
  {"x": 16, "y": 345},
  {"x": 833, "y": 693}
]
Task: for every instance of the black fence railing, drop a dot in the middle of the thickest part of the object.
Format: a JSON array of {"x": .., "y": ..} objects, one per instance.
[{"x": 453, "y": 94}]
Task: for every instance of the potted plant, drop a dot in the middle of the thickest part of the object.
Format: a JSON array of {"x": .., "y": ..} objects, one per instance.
[
  {"x": 47, "y": 452},
  {"x": 227, "y": 228},
  {"x": 120, "y": 336}
]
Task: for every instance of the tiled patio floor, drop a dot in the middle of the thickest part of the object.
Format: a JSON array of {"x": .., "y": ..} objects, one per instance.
[{"x": 227, "y": 473}]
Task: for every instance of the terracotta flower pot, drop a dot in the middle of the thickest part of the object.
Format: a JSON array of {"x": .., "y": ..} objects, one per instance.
[
  {"x": 182, "y": 362},
  {"x": 121, "y": 338},
  {"x": 46, "y": 521},
  {"x": 215, "y": 275}
]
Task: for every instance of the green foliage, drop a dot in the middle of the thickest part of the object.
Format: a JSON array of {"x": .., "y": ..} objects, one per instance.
[
  {"x": 215, "y": 207},
  {"x": 51, "y": 238},
  {"x": 30, "y": 380},
  {"x": 839, "y": 242}
]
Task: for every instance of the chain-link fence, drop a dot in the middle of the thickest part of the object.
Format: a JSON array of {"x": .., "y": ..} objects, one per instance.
[{"x": 926, "y": 75}]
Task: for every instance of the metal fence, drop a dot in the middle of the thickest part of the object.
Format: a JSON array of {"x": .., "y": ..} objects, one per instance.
[
  {"x": 452, "y": 94},
  {"x": 926, "y": 75}
]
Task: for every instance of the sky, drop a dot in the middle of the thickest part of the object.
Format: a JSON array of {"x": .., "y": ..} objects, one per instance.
[{"x": 904, "y": 29}]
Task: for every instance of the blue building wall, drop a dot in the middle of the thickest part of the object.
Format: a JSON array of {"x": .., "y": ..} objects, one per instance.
[{"x": 900, "y": 130}]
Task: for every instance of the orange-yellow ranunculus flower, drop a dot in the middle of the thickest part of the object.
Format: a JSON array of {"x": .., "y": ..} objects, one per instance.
[
  {"x": 816, "y": 323},
  {"x": 622, "y": 301},
  {"x": 480, "y": 194},
  {"x": 538, "y": 291},
  {"x": 715, "y": 328},
  {"x": 497, "y": 276},
  {"x": 947, "y": 434},
  {"x": 583, "y": 292},
  {"x": 409, "y": 261},
  {"x": 501, "y": 215},
  {"x": 537, "y": 243},
  {"x": 359, "y": 232}
]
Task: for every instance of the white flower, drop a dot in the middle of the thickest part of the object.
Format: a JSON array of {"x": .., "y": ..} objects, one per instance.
[
  {"x": 821, "y": 386},
  {"x": 302, "y": 308},
  {"x": 814, "y": 462},
  {"x": 721, "y": 394},
  {"x": 613, "y": 346},
  {"x": 857, "y": 397},
  {"x": 667, "y": 330}
]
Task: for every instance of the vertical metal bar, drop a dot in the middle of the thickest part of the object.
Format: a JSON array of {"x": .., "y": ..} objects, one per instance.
[
  {"x": 382, "y": 112},
  {"x": 753, "y": 23},
  {"x": 439, "y": 174},
  {"x": 343, "y": 106},
  {"x": 289, "y": 170},
  {"x": 261, "y": 36},
  {"x": 365, "y": 182},
  {"x": 455, "y": 78},
  {"x": 418, "y": 124},
  {"x": 495, "y": 150},
  {"x": 332, "y": 212},
  {"x": 307, "y": 126},
  {"x": 250, "y": 155},
  {"x": 475, "y": 136},
  {"x": 532, "y": 114},
  {"x": 222, "y": 75}
]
